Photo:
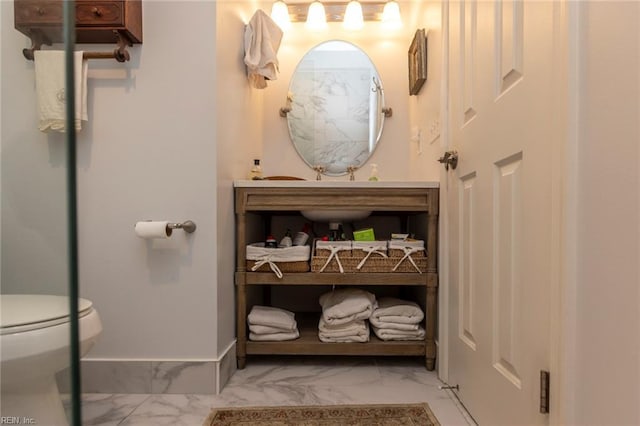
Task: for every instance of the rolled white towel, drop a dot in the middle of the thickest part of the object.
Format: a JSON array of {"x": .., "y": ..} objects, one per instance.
[
  {"x": 391, "y": 334},
  {"x": 391, "y": 309},
  {"x": 355, "y": 328},
  {"x": 272, "y": 317},
  {"x": 274, "y": 337},
  {"x": 392, "y": 325},
  {"x": 346, "y": 305}
]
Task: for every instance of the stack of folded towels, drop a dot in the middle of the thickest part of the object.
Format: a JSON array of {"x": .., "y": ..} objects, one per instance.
[
  {"x": 344, "y": 315},
  {"x": 396, "y": 319},
  {"x": 267, "y": 323}
]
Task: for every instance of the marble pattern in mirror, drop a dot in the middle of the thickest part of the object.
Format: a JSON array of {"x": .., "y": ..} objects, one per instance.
[{"x": 336, "y": 99}]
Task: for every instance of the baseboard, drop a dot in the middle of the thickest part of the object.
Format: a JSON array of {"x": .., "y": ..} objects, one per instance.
[{"x": 154, "y": 377}]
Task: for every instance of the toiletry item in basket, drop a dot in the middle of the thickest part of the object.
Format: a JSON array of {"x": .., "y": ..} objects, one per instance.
[
  {"x": 270, "y": 242},
  {"x": 302, "y": 237},
  {"x": 286, "y": 240},
  {"x": 364, "y": 235},
  {"x": 256, "y": 171},
  {"x": 336, "y": 233}
]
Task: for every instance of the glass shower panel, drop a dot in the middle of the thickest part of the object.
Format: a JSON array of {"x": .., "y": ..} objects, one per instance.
[{"x": 35, "y": 235}]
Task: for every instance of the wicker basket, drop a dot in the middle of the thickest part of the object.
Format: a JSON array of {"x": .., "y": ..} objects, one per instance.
[
  {"x": 397, "y": 248},
  {"x": 277, "y": 260},
  {"x": 322, "y": 254}
]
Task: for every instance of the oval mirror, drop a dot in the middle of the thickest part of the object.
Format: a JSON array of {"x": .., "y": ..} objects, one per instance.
[{"x": 336, "y": 101}]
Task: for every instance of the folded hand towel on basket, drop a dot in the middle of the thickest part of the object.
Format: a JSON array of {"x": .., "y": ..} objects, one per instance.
[
  {"x": 346, "y": 305},
  {"x": 272, "y": 317},
  {"x": 354, "y": 328},
  {"x": 391, "y": 309},
  {"x": 274, "y": 337},
  {"x": 391, "y": 334}
]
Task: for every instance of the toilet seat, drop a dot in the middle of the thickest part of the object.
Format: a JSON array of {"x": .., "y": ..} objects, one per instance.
[{"x": 26, "y": 312}]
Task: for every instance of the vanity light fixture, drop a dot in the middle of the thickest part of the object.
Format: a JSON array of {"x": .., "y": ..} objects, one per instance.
[
  {"x": 316, "y": 15},
  {"x": 280, "y": 15},
  {"x": 353, "y": 19},
  {"x": 391, "y": 15}
]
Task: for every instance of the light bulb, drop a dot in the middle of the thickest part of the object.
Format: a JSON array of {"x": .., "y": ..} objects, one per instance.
[
  {"x": 353, "y": 16},
  {"x": 391, "y": 15},
  {"x": 316, "y": 17},
  {"x": 280, "y": 15}
]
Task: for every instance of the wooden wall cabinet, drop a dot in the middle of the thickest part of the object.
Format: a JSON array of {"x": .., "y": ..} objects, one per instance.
[
  {"x": 257, "y": 205},
  {"x": 97, "y": 21}
]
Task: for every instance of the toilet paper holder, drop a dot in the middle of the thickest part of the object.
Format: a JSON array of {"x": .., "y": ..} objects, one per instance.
[{"x": 187, "y": 226}]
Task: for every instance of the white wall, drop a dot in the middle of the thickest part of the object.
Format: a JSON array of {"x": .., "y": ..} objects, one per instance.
[
  {"x": 149, "y": 152},
  {"x": 238, "y": 135},
  {"x": 34, "y": 215},
  {"x": 388, "y": 51},
  {"x": 607, "y": 364}
]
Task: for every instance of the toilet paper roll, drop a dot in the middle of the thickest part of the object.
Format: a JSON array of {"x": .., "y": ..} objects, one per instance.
[{"x": 153, "y": 229}]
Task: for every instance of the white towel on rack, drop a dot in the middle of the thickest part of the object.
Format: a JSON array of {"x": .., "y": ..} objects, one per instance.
[
  {"x": 262, "y": 39},
  {"x": 51, "y": 90},
  {"x": 272, "y": 317}
]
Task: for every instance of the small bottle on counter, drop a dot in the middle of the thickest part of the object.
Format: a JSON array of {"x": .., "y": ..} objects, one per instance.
[
  {"x": 286, "y": 240},
  {"x": 256, "y": 171},
  {"x": 270, "y": 242},
  {"x": 302, "y": 237},
  {"x": 373, "y": 177}
]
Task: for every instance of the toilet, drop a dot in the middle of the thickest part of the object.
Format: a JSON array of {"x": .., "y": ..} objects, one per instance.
[{"x": 34, "y": 346}]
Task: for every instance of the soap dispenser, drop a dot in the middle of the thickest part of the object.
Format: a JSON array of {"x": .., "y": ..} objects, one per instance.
[
  {"x": 256, "y": 171},
  {"x": 373, "y": 177}
]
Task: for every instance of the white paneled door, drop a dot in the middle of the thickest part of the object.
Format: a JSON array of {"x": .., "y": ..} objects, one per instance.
[{"x": 505, "y": 120}]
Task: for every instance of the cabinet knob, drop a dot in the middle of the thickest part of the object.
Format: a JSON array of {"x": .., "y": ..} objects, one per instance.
[
  {"x": 41, "y": 11},
  {"x": 96, "y": 11}
]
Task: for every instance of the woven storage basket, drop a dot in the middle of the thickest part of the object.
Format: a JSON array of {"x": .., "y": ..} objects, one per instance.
[
  {"x": 286, "y": 259},
  {"x": 396, "y": 248},
  {"x": 322, "y": 252},
  {"x": 406, "y": 265}
]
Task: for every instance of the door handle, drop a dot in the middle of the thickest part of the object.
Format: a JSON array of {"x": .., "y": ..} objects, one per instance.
[{"x": 450, "y": 158}]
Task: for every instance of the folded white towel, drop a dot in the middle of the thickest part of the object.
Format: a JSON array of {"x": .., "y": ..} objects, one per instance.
[
  {"x": 346, "y": 305},
  {"x": 354, "y": 328},
  {"x": 392, "y": 325},
  {"x": 272, "y": 317},
  {"x": 395, "y": 310},
  {"x": 262, "y": 38},
  {"x": 265, "y": 329},
  {"x": 390, "y": 334},
  {"x": 51, "y": 92},
  {"x": 274, "y": 337},
  {"x": 347, "y": 339}
]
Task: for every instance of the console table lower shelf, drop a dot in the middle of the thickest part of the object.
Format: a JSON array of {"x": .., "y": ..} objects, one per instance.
[{"x": 309, "y": 344}]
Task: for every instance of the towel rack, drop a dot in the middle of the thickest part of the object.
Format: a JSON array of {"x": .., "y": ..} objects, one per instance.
[{"x": 120, "y": 54}]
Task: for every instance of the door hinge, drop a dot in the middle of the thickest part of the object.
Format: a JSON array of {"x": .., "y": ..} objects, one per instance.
[{"x": 544, "y": 392}]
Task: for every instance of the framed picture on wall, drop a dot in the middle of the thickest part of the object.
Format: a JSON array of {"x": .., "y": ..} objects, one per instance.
[{"x": 417, "y": 62}]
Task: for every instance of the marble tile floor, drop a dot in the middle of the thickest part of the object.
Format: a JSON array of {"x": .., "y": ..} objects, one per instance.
[{"x": 275, "y": 381}]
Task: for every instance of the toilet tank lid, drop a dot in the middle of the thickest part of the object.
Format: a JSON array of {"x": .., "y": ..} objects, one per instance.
[{"x": 22, "y": 309}]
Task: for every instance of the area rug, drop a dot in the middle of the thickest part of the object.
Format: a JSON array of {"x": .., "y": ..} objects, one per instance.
[{"x": 327, "y": 415}]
